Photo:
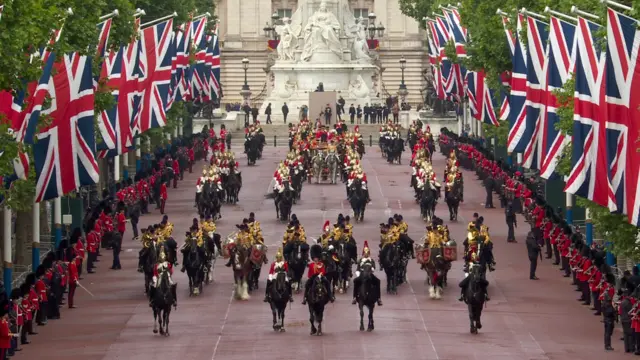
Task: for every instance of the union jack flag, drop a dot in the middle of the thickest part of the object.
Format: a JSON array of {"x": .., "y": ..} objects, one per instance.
[
  {"x": 457, "y": 32},
  {"x": 199, "y": 78},
  {"x": 158, "y": 48},
  {"x": 623, "y": 102},
  {"x": 588, "y": 177},
  {"x": 518, "y": 110},
  {"x": 505, "y": 77},
  {"x": 435, "y": 60},
  {"x": 481, "y": 100},
  {"x": 559, "y": 64},
  {"x": 213, "y": 60},
  {"x": 104, "y": 30},
  {"x": 65, "y": 151},
  {"x": 122, "y": 69},
  {"x": 537, "y": 36}
]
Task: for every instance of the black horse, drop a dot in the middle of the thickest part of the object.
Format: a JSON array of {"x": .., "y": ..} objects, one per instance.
[
  {"x": 162, "y": 301},
  {"x": 475, "y": 296},
  {"x": 279, "y": 297},
  {"x": 284, "y": 202},
  {"x": 253, "y": 148},
  {"x": 391, "y": 262},
  {"x": 297, "y": 255},
  {"x": 233, "y": 185},
  {"x": 453, "y": 198},
  {"x": 428, "y": 198},
  {"x": 358, "y": 199},
  {"x": 368, "y": 294},
  {"x": 317, "y": 300},
  {"x": 394, "y": 151},
  {"x": 343, "y": 250},
  {"x": 148, "y": 257},
  {"x": 194, "y": 264}
]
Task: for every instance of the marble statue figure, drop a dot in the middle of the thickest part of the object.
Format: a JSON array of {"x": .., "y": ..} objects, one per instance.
[{"x": 321, "y": 32}]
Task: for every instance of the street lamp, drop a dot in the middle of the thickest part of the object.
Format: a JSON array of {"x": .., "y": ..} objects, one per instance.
[
  {"x": 245, "y": 66},
  {"x": 372, "y": 28},
  {"x": 403, "y": 65},
  {"x": 270, "y": 29}
]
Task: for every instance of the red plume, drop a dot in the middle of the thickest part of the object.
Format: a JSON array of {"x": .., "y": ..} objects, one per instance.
[
  {"x": 246, "y": 130},
  {"x": 366, "y": 244},
  {"x": 357, "y": 128}
]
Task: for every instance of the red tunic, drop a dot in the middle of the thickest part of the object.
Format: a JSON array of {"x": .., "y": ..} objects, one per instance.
[
  {"x": 316, "y": 268},
  {"x": 122, "y": 221},
  {"x": 176, "y": 166},
  {"x": 93, "y": 239},
  {"x": 41, "y": 288},
  {"x": 192, "y": 155},
  {"x": 595, "y": 280},
  {"x": 156, "y": 273},
  {"x": 5, "y": 335},
  {"x": 272, "y": 269},
  {"x": 607, "y": 289},
  {"x": 33, "y": 297},
  {"x": 79, "y": 249},
  {"x": 26, "y": 307},
  {"x": 19, "y": 315},
  {"x": 73, "y": 272},
  {"x": 581, "y": 275},
  {"x": 163, "y": 191}
]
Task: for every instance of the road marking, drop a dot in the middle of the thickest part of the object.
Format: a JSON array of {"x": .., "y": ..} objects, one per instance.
[
  {"x": 224, "y": 322},
  {"x": 424, "y": 323},
  {"x": 399, "y": 205}
]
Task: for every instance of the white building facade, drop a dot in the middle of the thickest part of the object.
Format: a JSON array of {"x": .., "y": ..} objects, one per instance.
[{"x": 242, "y": 35}]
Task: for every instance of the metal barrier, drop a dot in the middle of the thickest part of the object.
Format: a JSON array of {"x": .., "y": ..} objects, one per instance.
[{"x": 20, "y": 271}]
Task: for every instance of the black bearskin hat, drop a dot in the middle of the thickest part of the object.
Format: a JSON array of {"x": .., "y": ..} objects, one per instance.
[
  {"x": 30, "y": 279},
  {"x": 316, "y": 251},
  {"x": 40, "y": 271},
  {"x": 540, "y": 200},
  {"x": 24, "y": 289},
  {"x": 16, "y": 294}
]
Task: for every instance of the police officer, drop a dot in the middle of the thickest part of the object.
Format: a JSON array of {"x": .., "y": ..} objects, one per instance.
[
  {"x": 608, "y": 318},
  {"x": 533, "y": 250},
  {"x": 625, "y": 320},
  {"x": 488, "y": 186}
]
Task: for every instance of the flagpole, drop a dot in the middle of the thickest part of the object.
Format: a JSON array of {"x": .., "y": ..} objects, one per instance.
[
  {"x": 616, "y": 4},
  {"x": 569, "y": 204},
  {"x": 588, "y": 227},
  {"x": 559, "y": 14},
  {"x": 57, "y": 220},
  {"x": 138, "y": 155},
  {"x": 125, "y": 164},
  {"x": 207, "y": 15},
  {"x": 6, "y": 251},
  {"x": 152, "y": 22},
  {"x": 114, "y": 13},
  {"x": 575, "y": 10},
  {"x": 524, "y": 11},
  {"x": 35, "y": 247},
  {"x": 116, "y": 168}
]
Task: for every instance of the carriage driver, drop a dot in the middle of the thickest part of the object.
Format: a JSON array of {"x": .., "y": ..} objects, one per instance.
[
  {"x": 316, "y": 267},
  {"x": 366, "y": 259},
  {"x": 161, "y": 266},
  {"x": 277, "y": 266}
]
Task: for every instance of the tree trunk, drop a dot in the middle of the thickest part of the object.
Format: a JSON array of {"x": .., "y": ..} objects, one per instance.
[{"x": 24, "y": 237}]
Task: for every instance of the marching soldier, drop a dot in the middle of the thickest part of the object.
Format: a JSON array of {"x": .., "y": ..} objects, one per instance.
[
  {"x": 357, "y": 282},
  {"x": 279, "y": 265}
]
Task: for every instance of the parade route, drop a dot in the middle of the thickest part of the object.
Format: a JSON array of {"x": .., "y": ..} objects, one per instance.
[{"x": 524, "y": 320}]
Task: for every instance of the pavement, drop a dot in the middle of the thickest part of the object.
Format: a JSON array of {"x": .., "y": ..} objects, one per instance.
[{"x": 524, "y": 320}]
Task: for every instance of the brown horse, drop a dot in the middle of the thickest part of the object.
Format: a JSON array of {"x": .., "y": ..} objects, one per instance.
[{"x": 241, "y": 266}]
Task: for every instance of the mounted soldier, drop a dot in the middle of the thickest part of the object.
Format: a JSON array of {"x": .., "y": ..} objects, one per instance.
[
  {"x": 326, "y": 238},
  {"x": 277, "y": 266},
  {"x": 317, "y": 268},
  {"x": 366, "y": 259},
  {"x": 162, "y": 266}
]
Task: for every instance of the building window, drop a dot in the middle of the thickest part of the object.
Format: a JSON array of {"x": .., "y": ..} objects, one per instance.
[
  {"x": 362, "y": 13},
  {"x": 284, "y": 13}
]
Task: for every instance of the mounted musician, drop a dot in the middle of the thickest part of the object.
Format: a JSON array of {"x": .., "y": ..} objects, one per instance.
[
  {"x": 366, "y": 259},
  {"x": 277, "y": 266},
  {"x": 200, "y": 183},
  {"x": 358, "y": 173},
  {"x": 162, "y": 266},
  {"x": 326, "y": 238}
]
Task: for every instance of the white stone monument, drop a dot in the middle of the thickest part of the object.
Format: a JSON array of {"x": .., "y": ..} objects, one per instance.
[{"x": 322, "y": 42}]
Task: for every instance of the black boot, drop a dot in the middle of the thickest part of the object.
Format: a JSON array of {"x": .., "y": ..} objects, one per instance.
[
  {"x": 266, "y": 292},
  {"x": 175, "y": 295}
]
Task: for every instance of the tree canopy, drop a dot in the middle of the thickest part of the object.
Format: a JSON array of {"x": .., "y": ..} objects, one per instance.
[{"x": 27, "y": 26}]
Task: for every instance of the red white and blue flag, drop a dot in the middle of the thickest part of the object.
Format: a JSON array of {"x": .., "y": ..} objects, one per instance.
[
  {"x": 213, "y": 62},
  {"x": 65, "y": 151},
  {"x": 435, "y": 60},
  {"x": 158, "y": 48},
  {"x": 505, "y": 77},
  {"x": 589, "y": 178},
  {"x": 122, "y": 69},
  {"x": 481, "y": 98},
  {"x": 559, "y": 66},
  {"x": 518, "y": 110},
  {"x": 537, "y": 36},
  {"x": 457, "y": 33},
  {"x": 623, "y": 120}
]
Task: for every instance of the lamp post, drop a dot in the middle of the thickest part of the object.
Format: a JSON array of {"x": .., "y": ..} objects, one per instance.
[
  {"x": 402, "y": 89},
  {"x": 270, "y": 29},
  {"x": 246, "y": 91},
  {"x": 373, "y": 29}
]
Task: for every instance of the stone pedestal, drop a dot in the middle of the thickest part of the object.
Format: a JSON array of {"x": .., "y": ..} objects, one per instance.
[
  {"x": 437, "y": 123},
  {"x": 294, "y": 82}
]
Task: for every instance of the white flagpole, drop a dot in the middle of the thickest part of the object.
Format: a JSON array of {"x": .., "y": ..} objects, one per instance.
[
  {"x": 152, "y": 22},
  {"x": 57, "y": 220}
]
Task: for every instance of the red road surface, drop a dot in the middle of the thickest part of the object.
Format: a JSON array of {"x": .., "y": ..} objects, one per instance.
[{"x": 524, "y": 319}]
